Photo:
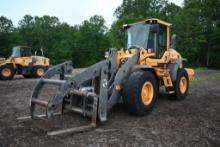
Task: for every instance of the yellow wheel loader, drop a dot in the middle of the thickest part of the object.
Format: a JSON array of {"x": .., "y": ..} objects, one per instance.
[
  {"x": 133, "y": 74},
  {"x": 22, "y": 62}
]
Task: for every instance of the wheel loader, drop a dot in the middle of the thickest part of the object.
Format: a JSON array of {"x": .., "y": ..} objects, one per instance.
[
  {"x": 23, "y": 62},
  {"x": 132, "y": 75}
]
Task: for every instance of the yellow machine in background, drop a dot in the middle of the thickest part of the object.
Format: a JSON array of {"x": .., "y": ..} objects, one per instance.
[{"x": 22, "y": 62}]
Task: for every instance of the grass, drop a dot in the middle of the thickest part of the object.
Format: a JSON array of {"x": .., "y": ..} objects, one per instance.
[
  {"x": 207, "y": 76},
  {"x": 77, "y": 70},
  {"x": 199, "y": 69}
]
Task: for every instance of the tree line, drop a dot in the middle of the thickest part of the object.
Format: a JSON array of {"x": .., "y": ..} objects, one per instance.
[{"x": 196, "y": 24}]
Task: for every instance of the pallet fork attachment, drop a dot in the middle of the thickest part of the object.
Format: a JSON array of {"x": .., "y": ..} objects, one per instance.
[{"x": 94, "y": 89}]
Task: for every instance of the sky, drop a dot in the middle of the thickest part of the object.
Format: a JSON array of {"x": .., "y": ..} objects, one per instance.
[{"x": 70, "y": 11}]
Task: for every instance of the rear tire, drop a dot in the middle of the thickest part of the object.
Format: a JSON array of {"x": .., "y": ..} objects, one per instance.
[
  {"x": 140, "y": 92},
  {"x": 181, "y": 85},
  {"x": 7, "y": 72}
]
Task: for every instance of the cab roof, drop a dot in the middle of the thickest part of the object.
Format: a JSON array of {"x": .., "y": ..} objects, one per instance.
[
  {"x": 150, "y": 20},
  {"x": 22, "y": 46}
]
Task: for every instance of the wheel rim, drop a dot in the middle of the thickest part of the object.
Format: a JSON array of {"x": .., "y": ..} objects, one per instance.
[
  {"x": 183, "y": 84},
  {"x": 147, "y": 93},
  {"x": 40, "y": 71},
  {"x": 6, "y": 72}
]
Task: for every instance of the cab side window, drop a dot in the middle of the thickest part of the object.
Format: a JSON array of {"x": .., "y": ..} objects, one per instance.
[
  {"x": 25, "y": 52},
  {"x": 162, "y": 40},
  {"x": 22, "y": 52}
]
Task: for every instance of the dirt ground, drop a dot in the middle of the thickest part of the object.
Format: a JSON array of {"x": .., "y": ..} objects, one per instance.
[{"x": 192, "y": 122}]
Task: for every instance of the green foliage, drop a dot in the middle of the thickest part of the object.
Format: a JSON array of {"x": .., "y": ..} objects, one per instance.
[
  {"x": 84, "y": 44},
  {"x": 197, "y": 27},
  {"x": 91, "y": 42},
  {"x": 6, "y": 28}
]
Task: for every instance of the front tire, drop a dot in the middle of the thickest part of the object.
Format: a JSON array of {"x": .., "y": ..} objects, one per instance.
[
  {"x": 39, "y": 71},
  {"x": 140, "y": 92},
  {"x": 7, "y": 72}
]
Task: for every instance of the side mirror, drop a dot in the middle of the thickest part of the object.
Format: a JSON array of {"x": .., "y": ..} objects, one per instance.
[
  {"x": 154, "y": 28},
  {"x": 121, "y": 32},
  {"x": 173, "y": 41}
]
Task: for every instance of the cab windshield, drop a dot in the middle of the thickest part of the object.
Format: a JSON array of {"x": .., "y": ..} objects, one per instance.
[
  {"x": 16, "y": 52},
  {"x": 139, "y": 36}
]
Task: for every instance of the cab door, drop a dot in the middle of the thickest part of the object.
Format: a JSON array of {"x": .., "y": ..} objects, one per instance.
[
  {"x": 162, "y": 41},
  {"x": 26, "y": 56},
  {"x": 157, "y": 40}
]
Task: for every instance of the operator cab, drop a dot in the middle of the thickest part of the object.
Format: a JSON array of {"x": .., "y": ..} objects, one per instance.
[
  {"x": 151, "y": 34},
  {"x": 21, "y": 51}
]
